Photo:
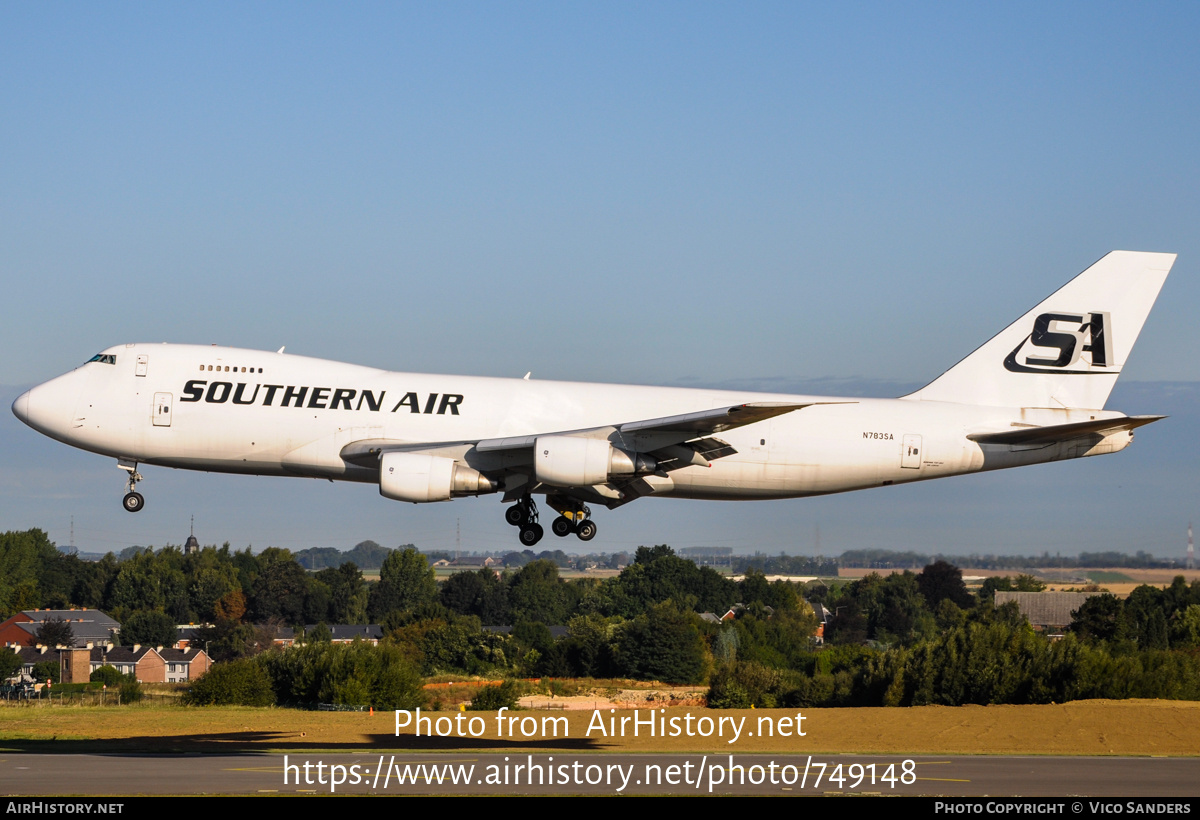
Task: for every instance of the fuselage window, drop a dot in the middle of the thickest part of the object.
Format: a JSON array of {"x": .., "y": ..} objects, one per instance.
[{"x": 103, "y": 358}]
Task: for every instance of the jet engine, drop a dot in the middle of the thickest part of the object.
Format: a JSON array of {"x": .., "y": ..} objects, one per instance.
[
  {"x": 419, "y": 478},
  {"x": 572, "y": 461}
]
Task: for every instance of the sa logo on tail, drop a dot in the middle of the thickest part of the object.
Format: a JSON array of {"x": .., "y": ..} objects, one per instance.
[{"x": 1066, "y": 333}]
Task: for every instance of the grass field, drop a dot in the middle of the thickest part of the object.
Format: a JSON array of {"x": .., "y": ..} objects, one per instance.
[
  {"x": 1104, "y": 576},
  {"x": 1082, "y": 727}
]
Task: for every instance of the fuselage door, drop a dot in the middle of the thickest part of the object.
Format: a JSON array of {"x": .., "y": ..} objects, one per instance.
[
  {"x": 162, "y": 409},
  {"x": 143, "y": 361},
  {"x": 911, "y": 455}
]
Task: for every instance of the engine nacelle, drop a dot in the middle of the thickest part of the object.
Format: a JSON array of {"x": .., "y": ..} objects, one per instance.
[
  {"x": 420, "y": 478},
  {"x": 571, "y": 461}
]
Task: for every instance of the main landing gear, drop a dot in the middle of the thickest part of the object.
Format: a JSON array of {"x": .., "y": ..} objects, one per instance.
[
  {"x": 524, "y": 514},
  {"x": 573, "y": 518},
  {"x": 133, "y": 500}
]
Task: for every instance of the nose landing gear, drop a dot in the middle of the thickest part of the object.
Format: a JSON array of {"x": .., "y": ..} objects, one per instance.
[{"x": 133, "y": 500}]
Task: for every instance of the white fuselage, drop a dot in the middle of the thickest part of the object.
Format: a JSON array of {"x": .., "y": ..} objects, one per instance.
[{"x": 245, "y": 411}]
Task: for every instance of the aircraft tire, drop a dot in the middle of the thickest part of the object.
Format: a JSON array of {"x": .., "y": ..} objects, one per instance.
[
  {"x": 133, "y": 502},
  {"x": 586, "y": 530},
  {"x": 515, "y": 515},
  {"x": 561, "y": 526},
  {"x": 531, "y": 534}
]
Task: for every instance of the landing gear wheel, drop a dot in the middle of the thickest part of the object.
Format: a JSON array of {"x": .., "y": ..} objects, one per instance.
[
  {"x": 133, "y": 502},
  {"x": 586, "y": 530},
  {"x": 531, "y": 534},
  {"x": 561, "y": 526},
  {"x": 515, "y": 515}
]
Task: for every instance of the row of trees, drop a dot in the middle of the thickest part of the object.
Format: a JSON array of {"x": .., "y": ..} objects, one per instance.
[
  {"x": 891, "y": 559},
  {"x": 991, "y": 657},
  {"x": 642, "y": 624},
  {"x": 929, "y": 639}
]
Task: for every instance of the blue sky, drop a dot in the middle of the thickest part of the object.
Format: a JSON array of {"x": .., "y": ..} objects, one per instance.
[{"x": 852, "y": 195}]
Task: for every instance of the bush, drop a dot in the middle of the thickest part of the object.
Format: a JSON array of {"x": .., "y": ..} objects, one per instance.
[
  {"x": 131, "y": 691},
  {"x": 494, "y": 698},
  {"x": 108, "y": 675},
  {"x": 46, "y": 669},
  {"x": 235, "y": 683},
  {"x": 742, "y": 685},
  {"x": 355, "y": 674}
]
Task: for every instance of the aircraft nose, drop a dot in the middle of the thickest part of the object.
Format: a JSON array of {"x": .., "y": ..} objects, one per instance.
[
  {"x": 20, "y": 407},
  {"x": 48, "y": 408}
]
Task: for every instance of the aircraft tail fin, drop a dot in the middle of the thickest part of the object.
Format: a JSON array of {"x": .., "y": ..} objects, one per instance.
[{"x": 1067, "y": 351}]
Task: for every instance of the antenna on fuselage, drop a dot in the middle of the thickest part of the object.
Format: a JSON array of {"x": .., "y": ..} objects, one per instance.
[{"x": 280, "y": 350}]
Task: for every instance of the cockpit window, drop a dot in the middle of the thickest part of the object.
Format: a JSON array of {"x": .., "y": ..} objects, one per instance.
[{"x": 103, "y": 358}]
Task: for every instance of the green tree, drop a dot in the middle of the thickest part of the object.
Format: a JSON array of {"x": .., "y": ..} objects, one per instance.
[
  {"x": 10, "y": 663},
  {"x": 347, "y": 593},
  {"x": 663, "y": 644},
  {"x": 146, "y": 582},
  {"x": 536, "y": 593},
  {"x": 754, "y": 587},
  {"x": 151, "y": 628},
  {"x": 22, "y": 558},
  {"x": 406, "y": 581},
  {"x": 589, "y": 645},
  {"x": 941, "y": 581},
  {"x": 1185, "y": 629},
  {"x": 657, "y": 574},
  {"x": 55, "y": 632},
  {"x": 281, "y": 588},
  {"x": 480, "y": 593},
  {"x": 1098, "y": 618},
  {"x": 209, "y": 585}
]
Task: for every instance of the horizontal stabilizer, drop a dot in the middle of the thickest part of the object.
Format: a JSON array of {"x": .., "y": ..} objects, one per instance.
[{"x": 1061, "y": 432}]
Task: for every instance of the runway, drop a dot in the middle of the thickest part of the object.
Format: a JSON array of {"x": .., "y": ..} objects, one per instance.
[{"x": 951, "y": 776}]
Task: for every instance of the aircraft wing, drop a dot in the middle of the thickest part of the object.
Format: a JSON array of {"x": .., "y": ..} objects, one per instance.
[
  {"x": 675, "y": 441},
  {"x": 648, "y": 434},
  {"x": 1052, "y": 433}
]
